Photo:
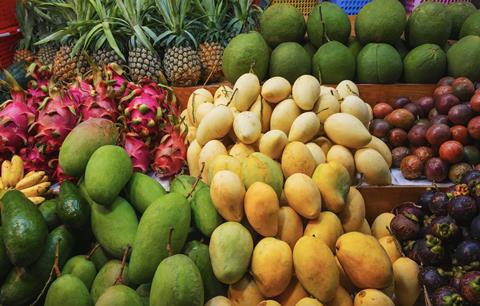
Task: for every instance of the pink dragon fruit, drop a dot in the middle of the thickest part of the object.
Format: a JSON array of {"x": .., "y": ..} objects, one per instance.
[
  {"x": 99, "y": 104},
  {"x": 15, "y": 119},
  {"x": 138, "y": 152},
  {"x": 79, "y": 91},
  {"x": 116, "y": 80},
  {"x": 56, "y": 118},
  {"x": 38, "y": 87},
  {"x": 169, "y": 157},
  {"x": 58, "y": 174},
  {"x": 34, "y": 159}
]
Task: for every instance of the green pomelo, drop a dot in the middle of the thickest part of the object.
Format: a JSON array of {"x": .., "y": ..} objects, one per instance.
[
  {"x": 280, "y": 23},
  {"x": 310, "y": 48},
  {"x": 428, "y": 24},
  {"x": 290, "y": 60},
  {"x": 379, "y": 63},
  {"x": 425, "y": 64},
  {"x": 459, "y": 12},
  {"x": 333, "y": 63},
  {"x": 402, "y": 48},
  {"x": 326, "y": 22},
  {"x": 355, "y": 46},
  {"x": 471, "y": 26},
  {"x": 464, "y": 58}
]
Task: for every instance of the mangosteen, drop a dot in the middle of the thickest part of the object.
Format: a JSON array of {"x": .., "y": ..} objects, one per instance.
[
  {"x": 475, "y": 228},
  {"x": 471, "y": 178},
  {"x": 447, "y": 296},
  {"x": 429, "y": 251},
  {"x": 444, "y": 227},
  {"x": 411, "y": 211},
  {"x": 432, "y": 278},
  {"x": 404, "y": 228},
  {"x": 457, "y": 275},
  {"x": 470, "y": 287},
  {"x": 462, "y": 208},
  {"x": 467, "y": 253},
  {"x": 400, "y": 102},
  {"x": 426, "y": 198},
  {"x": 439, "y": 203}
]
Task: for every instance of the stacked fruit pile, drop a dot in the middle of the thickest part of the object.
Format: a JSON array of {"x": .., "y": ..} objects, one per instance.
[
  {"x": 377, "y": 53},
  {"x": 434, "y": 136},
  {"x": 442, "y": 234}
]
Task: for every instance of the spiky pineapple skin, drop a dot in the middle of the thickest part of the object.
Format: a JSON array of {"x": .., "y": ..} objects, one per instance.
[
  {"x": 211, "y": 55},
  {"x": 182, "y": 66},
  {"x": 103, "y": 57},
  {"x": 67, "y": 67},
  {"x": 23, "y": 55},
  {"x": 46, "y": 54},
  {"x": 144, "y": 64}
]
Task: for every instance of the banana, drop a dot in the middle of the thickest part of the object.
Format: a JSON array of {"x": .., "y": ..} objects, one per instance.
[
  {"x": 17, "y": 169},
  {"x": 44, "y": 179},
  {"x": 36, "y": 190},
  {"x": 30, "y": 180},
  {"x": 29, "y": 173},
  {"x": 37, "y": 200},
  {"x": 6, "y": 173}
]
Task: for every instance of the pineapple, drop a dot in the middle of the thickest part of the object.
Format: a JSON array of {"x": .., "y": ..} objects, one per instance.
[
  {"x": 46, "y": 54},
  {"x": 67, "y": 66},
  {"x": 23, "y": 55},
  {"x": 181, "y": 61},
  {"x": 144, "y": 63}
]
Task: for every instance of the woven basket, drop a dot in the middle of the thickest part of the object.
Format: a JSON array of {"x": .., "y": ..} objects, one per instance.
[
  {"x": 305, "y": 6},
  {"x": 8, "y": 16}
]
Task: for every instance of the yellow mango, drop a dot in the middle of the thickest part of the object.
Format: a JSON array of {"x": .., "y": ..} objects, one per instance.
[
  {"x": 364, "y": 260},
  {"x": 345, "y": 282},
  {"x": 283, "y": 115},
  {"x": 197, "y": 98},
  {"x": 269, "y": 303},
  {"x": 309, "y": 302},
  {"x": 326, "y": 106},
  {"x": 407, "y": 287},
  {"x": 260, "y": 168},
  {"x": 219, "y": 301},
  {"x": 224, "y": 162},
  {"x": 390, "y": 290},
  {"x": 346, "y": 130},
  {"x": 327, "y": 227},
  {"x": 329, "y": 91},
  {"x": 290, "y": 227},
  {"x": 272, "y": 266},
  {"x": 373, "y": 166},
  {"x": 223, "y": 91},
  {"x": 381, "y": 225},
  {"x": 317, "y": 153},
  {"x": 202, "y": 110},
  {"x": 303, "y": 195},
  {"x": 276, "y": 89},
  {"x": 245, "y": 91},
  {"x": 324, "y": 143},
  {"x": 305, "y": 91},
  {"x": 191, "y": 134},
  {"x": 355, "y": 106},
  {"x": 347, "y": 88},
  {"x": 261, "y": 208},
  {"x": 342, "y": 298},
  {"x": 343, "y": 156},
  {"x": 222, "y": 100},
  {"x": 372, "y": 297},
  {"x": 272, "y": 143},
  {"x": 241, "y": 151},
  {"x": 392, "y": 247},
  {"x": 333, "y": 181},
  {"x": 380, "y": 146},
  {"x": 209, "y": 151},
  {"x": 304, "y": 127},
  {"x": 245, "y": 292},
  {"x": 365, "y": 228},
  {"x": 215, "y": 125},
  {"x": 193, "y": 156},
  {"x": 353, "y": 214},
  {"x": 263, "y": 110},
  {"x": 370, "y": 112},
  {"x": 296, "y": 158},
  {"x": 294, "y": 293},
  {"x": 227, "y": 192},
  {"x": 315, "y": 268},
  {"x": 247, "y": 127}
]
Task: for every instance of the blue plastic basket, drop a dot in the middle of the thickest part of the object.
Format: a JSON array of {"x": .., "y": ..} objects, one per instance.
[{"x": 351, "y": 7}]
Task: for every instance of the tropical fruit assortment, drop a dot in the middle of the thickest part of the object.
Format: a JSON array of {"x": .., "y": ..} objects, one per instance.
[
  {"x": 441, "y": 232},
  {"x": 377, "y": 54},
  {"x": 434, "y": 137}
]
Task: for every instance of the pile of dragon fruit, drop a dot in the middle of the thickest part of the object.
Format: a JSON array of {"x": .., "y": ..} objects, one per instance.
[
  {"x": 442, "y": 233},
  {"x": 34, "y": 123}
]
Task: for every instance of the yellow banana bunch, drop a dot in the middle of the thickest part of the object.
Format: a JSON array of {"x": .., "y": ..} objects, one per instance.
[{"x": 33, "y": 185}]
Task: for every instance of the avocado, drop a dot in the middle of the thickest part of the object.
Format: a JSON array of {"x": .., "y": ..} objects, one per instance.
[
  {"x": 5, "y": 264},
  {"x": 48, "y": 209},
  {"x": 72, "y": 209}
]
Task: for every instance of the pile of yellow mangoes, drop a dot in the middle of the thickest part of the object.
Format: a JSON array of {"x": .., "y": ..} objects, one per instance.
[
  {"x": 33, "y": 185},
  {"x": 282, "y": 164}
]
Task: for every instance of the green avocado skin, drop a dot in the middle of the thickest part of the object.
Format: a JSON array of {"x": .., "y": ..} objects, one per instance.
[
  {"x": 5, "y": 264},
  {"x": 72, "y": 209},
  {"x": 119, "y": 295},
  {"x": 68, "y": 290},
  {"x": 49, "y": 213},
  {"x": 23, "y": 228}
]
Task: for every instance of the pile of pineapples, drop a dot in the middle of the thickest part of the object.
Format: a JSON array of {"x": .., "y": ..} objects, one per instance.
[{"x": 176, "y": 41}]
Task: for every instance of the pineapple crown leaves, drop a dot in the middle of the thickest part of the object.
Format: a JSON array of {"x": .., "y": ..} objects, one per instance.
[
  {"x": 245, "y": 16},
  {"x": 178, "y": 29},
  {"x": 213, "y": 15},
  {"x": 27, "y": 21}
]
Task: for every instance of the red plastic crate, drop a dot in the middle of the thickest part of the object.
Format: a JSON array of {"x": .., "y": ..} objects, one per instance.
[
  {"x": 8, "y": 42},
  {"x": 8, "y": 15},
  {"x": 412, "y": 4}
]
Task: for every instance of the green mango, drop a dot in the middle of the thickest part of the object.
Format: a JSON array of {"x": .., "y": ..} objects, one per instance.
[
  {"x": 198, "y": 252},
  {"x": 169, "y": 213},
  {"x": 107, "y": 276},
  {"x": 205, "y": 214},
  {"x": 143, "y": 190},
  {"x": 114, "y": 227},
  {"x": 177, "y": 282},
  {"x": 5, "y": 264},
  {"x": 119, "y": 295},
  {"x": 144, "y": 292},
  {"x": 108, "y": 171},
  {"x": 231, "y": 247},
  {"x": 83, "y": 141},
  {"x": 84, "y": 193},
  {"x": 23, "y": 228},
  {"x": 68, "y": 290},
  {"x": 82, "y": 267},
  {"x": 72, "y": 209},
  {"x": 183, "y": 185},
  {"x": 99, "y": 258},
  {"x": 23, "y": 285},
  {"x": 48, "y": 209}
]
